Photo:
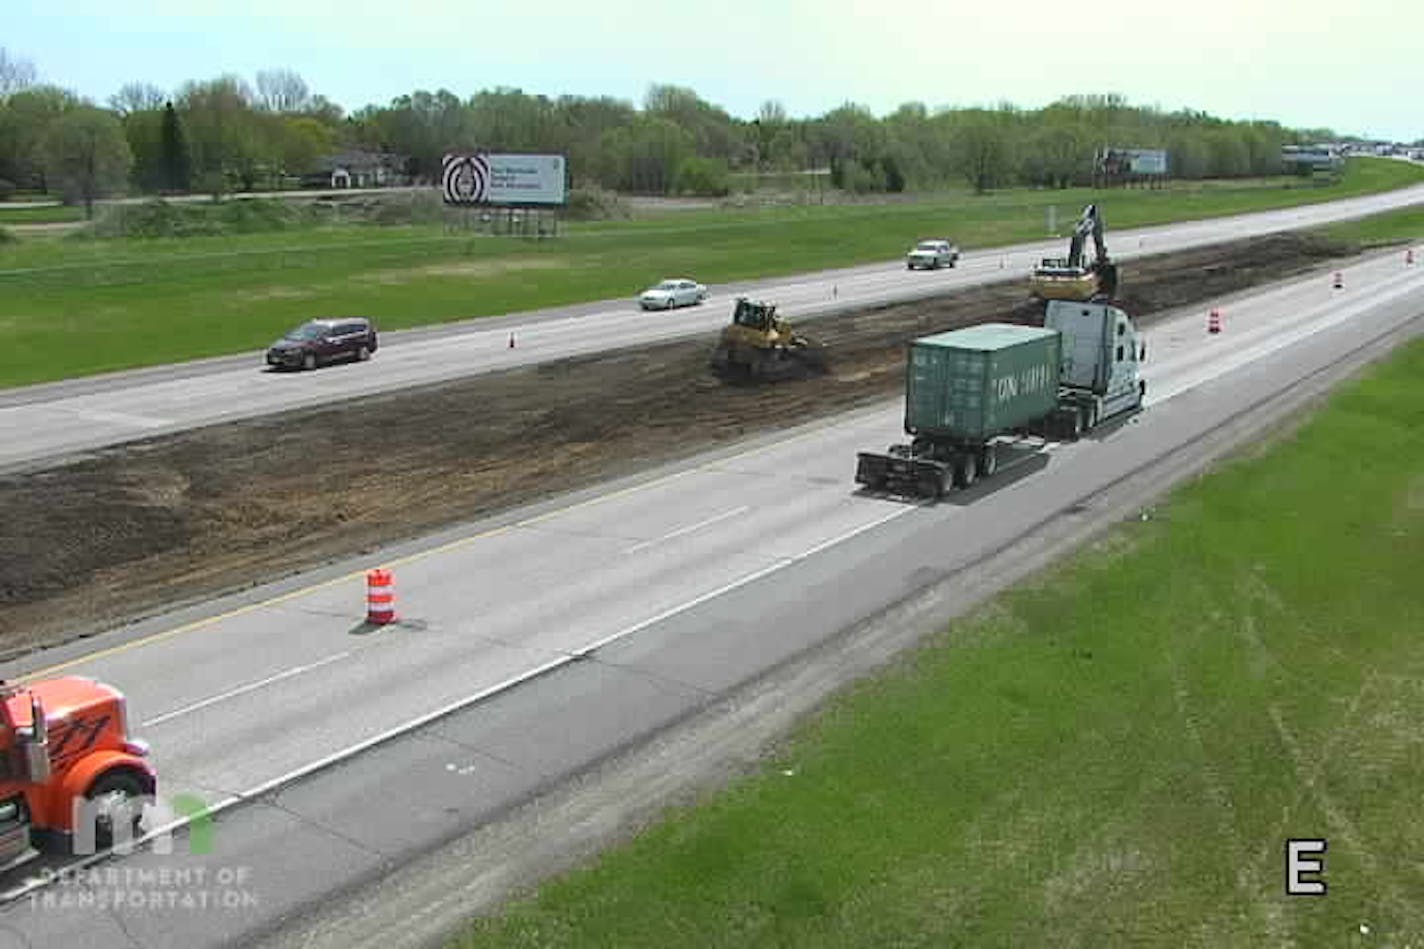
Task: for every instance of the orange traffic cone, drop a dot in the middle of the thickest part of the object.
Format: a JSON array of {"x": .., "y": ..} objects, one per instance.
[
  {"x": 511, "y": 340},
  {"x": 1213, "y": 321},
  {"x": 1339, "y": 280},
  {"x": 380, "y": 597},
  {"x": 1409, "y": 257}
]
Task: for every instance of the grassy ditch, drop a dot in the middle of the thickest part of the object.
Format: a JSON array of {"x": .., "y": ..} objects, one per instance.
[
  {"x": 1393, "y": 227},
  {"x": 1113, "y": 754},
  {"x": 74, "y": 307}
]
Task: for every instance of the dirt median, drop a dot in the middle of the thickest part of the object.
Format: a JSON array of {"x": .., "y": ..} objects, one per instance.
[{"x": 131, "y": 530}]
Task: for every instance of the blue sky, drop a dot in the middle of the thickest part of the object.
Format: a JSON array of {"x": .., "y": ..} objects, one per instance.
[{"x": 1355, "y": 66}]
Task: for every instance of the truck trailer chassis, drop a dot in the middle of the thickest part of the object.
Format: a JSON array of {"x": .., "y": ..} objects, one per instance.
[{"x": 932, "y": 467}]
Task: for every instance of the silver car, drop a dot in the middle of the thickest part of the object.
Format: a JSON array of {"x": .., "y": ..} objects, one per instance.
[
  {"x": 671, "y": 293},
  {"x": 932, "y": 255}
]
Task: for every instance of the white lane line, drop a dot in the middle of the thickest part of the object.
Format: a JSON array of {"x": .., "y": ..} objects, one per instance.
[
  {"x": 243, "y": 689},
  {"x": 741, "y": 582},
  {"x": 689, "y": 529}
]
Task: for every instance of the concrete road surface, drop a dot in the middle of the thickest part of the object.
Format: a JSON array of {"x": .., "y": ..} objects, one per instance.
[
  {"x": 39, "y": 423},
  {"x": 534, "y": 645}
]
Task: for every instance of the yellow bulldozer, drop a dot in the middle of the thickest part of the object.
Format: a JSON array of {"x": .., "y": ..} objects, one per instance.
[
  {"x": 1069, "y": 278},
  {"x": 759, "y": 345}
]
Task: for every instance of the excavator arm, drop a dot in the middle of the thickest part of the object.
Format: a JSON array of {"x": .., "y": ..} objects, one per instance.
[{"x": 1089, "y": 223}]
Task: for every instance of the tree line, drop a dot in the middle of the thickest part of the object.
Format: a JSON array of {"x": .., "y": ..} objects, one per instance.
[{"x": 226, "y": 134}]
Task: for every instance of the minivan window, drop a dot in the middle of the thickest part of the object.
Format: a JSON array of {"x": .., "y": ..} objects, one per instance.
[{"x": 306, "y": 331}]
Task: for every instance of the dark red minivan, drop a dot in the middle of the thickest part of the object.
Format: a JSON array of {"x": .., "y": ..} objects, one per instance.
[{"x": 321, "y": 341}]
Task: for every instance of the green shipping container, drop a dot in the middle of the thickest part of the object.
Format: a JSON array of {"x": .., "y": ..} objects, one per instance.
[{"x": 975, "y": 383}]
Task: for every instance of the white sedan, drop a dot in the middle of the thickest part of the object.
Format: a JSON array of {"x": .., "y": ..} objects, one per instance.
[{"x": 671, "y": 293}]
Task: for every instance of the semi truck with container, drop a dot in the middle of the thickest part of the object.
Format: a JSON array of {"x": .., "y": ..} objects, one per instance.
[
  {"x": 970, "y": 392},
  {"x": 66, "y": 756}
]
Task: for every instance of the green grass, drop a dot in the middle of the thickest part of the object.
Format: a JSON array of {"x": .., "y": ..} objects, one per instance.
[
  {"x": 58, "y": 214},
  {"x": 1112, "y": 755},
  {"x": 1391, "y": 227},
  {"x": 74, "y": 307}
]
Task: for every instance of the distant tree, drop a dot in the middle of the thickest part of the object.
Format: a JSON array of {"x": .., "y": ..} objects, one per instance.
[
  {"x": 1058, "y": 152},
  {"x": 646, "y": 157},
  {"x": 87, "y": 154},
  {"x": 703, "y": 176},
  {"x": 982, "y": 150},
  {"x": 423, "y": 126},
  {"x": 894, "y": 177},
  {"x": 282, "y": 90},
  {"x": 713, "y": 133},
  {"x": 324, "y": 110},
  {"x": 137, "y": 97},
  {"x": 221, "y": 131},
  {"x": 15, "y": 74},
  {"x": 301, "y": 141},
  {"x": 24, "y": 123},
  {"x": 144, "y": 133},
  {"x": 511, "y": 120},
  {"x": 177, "y": 169}
]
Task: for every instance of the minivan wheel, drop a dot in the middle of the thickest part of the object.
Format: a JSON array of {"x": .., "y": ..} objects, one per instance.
[
  {"x": 309, "y": 361},
  {"x": 362, "y": 354}
]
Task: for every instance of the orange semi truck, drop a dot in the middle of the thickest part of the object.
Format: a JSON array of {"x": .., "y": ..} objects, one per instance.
[{"x": 65, "y": 754}]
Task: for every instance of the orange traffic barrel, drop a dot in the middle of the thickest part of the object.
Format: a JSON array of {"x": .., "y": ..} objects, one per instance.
[
  {"x": 1213, "y": 321},
  {"x": 380, "y": 597}
]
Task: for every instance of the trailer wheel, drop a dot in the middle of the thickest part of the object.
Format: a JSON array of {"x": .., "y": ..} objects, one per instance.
[
  {"x": 966, "y": 470},
  {"x": 989, "y": 461}
]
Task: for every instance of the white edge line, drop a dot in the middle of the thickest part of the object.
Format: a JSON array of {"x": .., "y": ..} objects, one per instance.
[
  {"x": 421, "y": 721},
  {"x": 241, "y": 690}
]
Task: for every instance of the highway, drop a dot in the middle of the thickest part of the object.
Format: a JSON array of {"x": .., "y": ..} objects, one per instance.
[
  {"x": 533, "y": 645},
  {"x": 39, "y": 424}
]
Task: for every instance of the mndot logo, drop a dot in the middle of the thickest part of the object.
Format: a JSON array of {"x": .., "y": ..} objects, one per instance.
[{"x": 125, "y": 823}]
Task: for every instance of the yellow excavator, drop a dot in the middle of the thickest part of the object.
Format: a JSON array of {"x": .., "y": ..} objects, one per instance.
[
  {"x": 759, "y": 345},
  {"x": 1069, "y": 278}
]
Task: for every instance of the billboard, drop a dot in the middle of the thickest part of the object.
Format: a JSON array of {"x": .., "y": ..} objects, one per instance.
[
  {"x": 512, "y": 180},
  {"x": 1310, "y": 157},
  {"x": 1133, "y": 161}
]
